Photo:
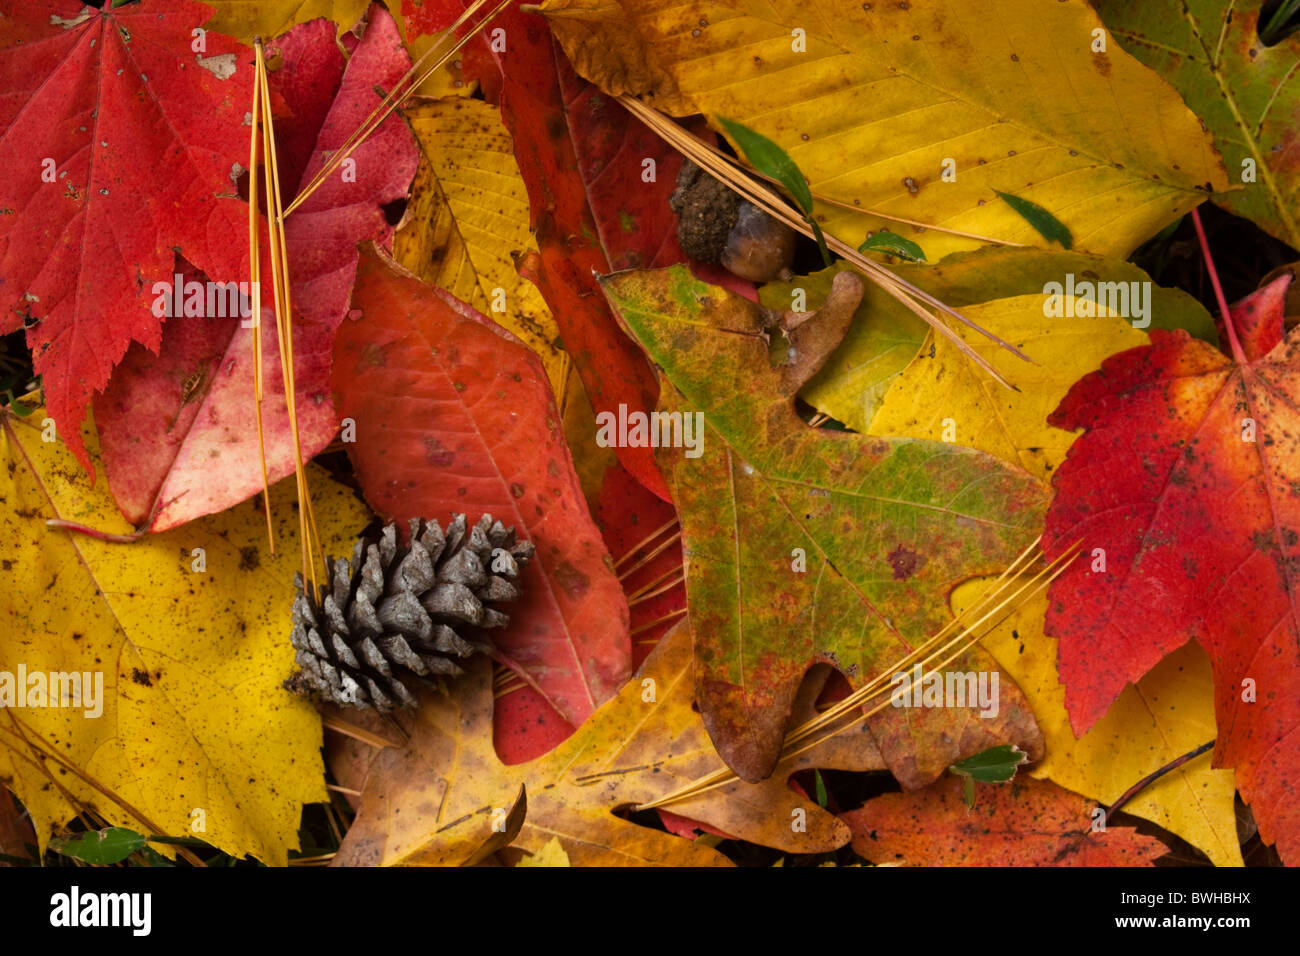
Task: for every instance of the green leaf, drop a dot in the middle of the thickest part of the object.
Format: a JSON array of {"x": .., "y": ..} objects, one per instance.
[
  {"x": 893, "y": 244},
  {"x": 99, "y": 847},
  {"x": 1048, "y": 226},
  {"x": 1241, "y": 87},
  {"x": 995, "y": 765},
  {"x": 771, "y": 160},
  {"x": 820, "y": 786},
  {"x": 877, "y": 529}
]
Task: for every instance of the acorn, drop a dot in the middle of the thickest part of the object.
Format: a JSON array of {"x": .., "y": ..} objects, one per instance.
[{"x": 715, "y": 224}]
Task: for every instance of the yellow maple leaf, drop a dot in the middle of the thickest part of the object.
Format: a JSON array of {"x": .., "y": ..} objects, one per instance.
[
  {"x": 188, "y": 632},
  {"x": 922, "y": 111},
  {"x": 468, "y": 221}
]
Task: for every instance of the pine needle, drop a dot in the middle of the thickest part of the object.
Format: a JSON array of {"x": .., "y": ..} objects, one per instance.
[
  {"x": 659, "y": 586},
  {"x": 402, "y": 89},
  {"x": 255, "y": 279},
  {"x": 279, "y": 253},
  {"x": 280, "y": 282},
  {"x": 642, "y": 628},
  {"x": 909, "y": 222},
  {"x": 644, "y": 542},
  {"x": 652, "y": 554}
]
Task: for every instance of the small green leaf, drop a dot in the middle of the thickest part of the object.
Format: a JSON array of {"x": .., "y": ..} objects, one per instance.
[
  {"x": 15, "y": 406},
  {"x": 995, "y": 765},
  {"x": 1047, "y": 225},
  {"x": 771, "y": 160},
  {"x": 894, "y": 245},
  {"x": 820, "y": 786},
  {"x": 821, "y": 241},
  {"x": 968, "y": 792},
  {"x": 99, "y": 847}
]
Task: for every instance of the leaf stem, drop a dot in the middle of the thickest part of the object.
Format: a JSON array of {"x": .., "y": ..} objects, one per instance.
[
  {"x": 1151, "y": 778},
  {"x": 1237, "y": 352},
  {"x": 94, "y": 532}
]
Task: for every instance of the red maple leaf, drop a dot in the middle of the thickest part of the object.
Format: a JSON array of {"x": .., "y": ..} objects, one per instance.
[
  {"x": 1185, "y": 490},
  {"x": 172, "y": 422},
  {"x": 119, "y": 133}
]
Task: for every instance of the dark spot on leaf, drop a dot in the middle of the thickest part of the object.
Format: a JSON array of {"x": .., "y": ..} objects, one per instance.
[
  {"x": 436, "y": 455},
  {"x": 572, "y": 581},
  {"x": 905, "y": 562}
]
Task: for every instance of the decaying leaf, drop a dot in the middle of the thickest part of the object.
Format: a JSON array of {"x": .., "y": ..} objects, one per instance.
[
  {"x": 468, "y": 223},
  {"x": 944, "y": 397},
  {"x": 172, "y": 420},
  {"x": 1022, "y": 823},
  {"x": 247, "y": 19},
  {"x": 578, "y": 221},
  {"x": 1242, "y": 89},
  {"x": 93, "y": 107},
  {"x": 885, "y": 336},
  {"x": 433, "y": 800}
]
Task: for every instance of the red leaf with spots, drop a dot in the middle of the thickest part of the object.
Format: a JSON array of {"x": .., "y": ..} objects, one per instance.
[
  {"x": 1025, "y": 822},
  {"x": 453, "y": 414},
  {"x": 1188, "y": 479},
  {"x": 525, "y": 725},
  {"x": 117, "y": 142},
  {"x": 171, "y": 421}
]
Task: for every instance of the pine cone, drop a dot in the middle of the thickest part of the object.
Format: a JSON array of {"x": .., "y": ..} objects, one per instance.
[{"x": 402, "y": 617}]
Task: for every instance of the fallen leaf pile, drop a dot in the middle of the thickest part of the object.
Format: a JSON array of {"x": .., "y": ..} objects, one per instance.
[{"x": 276, "y": 275}]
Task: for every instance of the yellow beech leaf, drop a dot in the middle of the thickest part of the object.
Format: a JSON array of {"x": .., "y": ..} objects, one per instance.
[
  {"x": 188, "y": 632},
  {"x": 468, "y": 221},
  {"x": 436, "y": 800},
  {"x": 1167, "y": 713},
  {"x": 245, "y": 19},
  {"x": 945, "y": 397},
  {"x": 922, "y": 110}
]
